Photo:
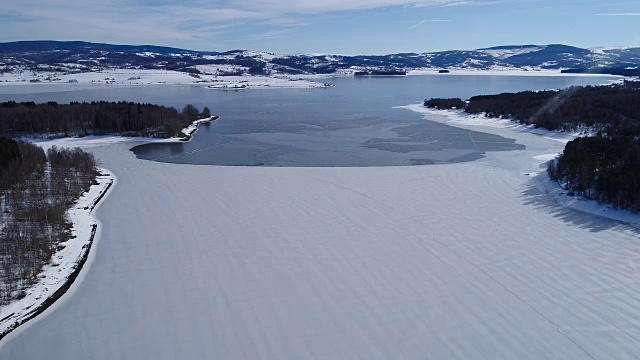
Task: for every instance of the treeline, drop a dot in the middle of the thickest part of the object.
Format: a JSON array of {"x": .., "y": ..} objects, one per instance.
[
  {"x": 36, "y": 190},
  {"x": 605, "y": 167},
  {"x": 601, "y": 168},
  {"x": 9, "y": 151},
  {"x": 613, "y": 108},
  {"x": 95, "y": 118},
  {"x": 604, "y": 71},
  {"x": 444, "y": 104}
]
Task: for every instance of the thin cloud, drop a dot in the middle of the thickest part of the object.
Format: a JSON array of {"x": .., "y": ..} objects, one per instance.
[
  {"x": 273, "y": 34},
  {"x": 316, "y": 6},
  {"x": 119, "y": 21},
  {"x": 286, "y": 22},
  {"x": 457, "y": 3},
  {"x": 422, "y": 22},
  {"x": 189, "y": 23},
  {"x": 619, "y": 14}
]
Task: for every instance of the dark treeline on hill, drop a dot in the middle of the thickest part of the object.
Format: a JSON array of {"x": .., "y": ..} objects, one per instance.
[
  {"x": 95, "y": 118},
  {"x": 443, "y": 104},
  {"x": 601, "y": 168},
  {"x": 36, "y": 190},
  {"x": 614, "y": 108}
]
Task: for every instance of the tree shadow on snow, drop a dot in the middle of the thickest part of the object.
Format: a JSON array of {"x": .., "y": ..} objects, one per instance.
[{"x": 534, "y": 195}]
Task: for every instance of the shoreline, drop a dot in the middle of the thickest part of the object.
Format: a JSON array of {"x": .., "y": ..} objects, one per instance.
[
  {"x": 508, "y": 72},
  {"x": 459, "y": 118},
  {"x": 14, "y": 319},
  {"x": 98, "y": 140},
  {"x": 466, "y": 72},
  {"x": 190, "y": 130},
  {"x": 134, "y": 77},
  {"x": 141, "y": 77},
  {"x": 57, "y": 277}
]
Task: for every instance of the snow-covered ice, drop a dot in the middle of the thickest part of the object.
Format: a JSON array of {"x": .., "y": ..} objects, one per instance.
[
  {"x": 477, "y": 122},
  {"x": 470, "y": 260}
]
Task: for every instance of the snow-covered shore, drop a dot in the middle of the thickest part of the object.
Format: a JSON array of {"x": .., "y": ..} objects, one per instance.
[
  {"x": 264, "y": 82},
  {"x": 154, "y": 77},
  {"x": 90, "y": 141},
  {"x": 503, "y": 72},
  {"x": 66, "y": 263},
  {"x": 190, "y": 130},
  {"x": 469, "y": 260},
  {"x": 482, "y": 123},
  {"x": 211, "y": 79}
]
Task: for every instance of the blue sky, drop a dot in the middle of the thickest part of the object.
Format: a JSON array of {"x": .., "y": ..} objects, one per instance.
[{"x": 325, "y": 26}]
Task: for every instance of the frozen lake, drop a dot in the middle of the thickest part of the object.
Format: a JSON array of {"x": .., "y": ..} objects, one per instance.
[
  {"x": 353, "y": 124},
  {"x": 467, "y": 260}
]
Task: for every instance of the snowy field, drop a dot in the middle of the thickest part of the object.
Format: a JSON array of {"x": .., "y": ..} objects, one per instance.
[
  {"x": 152, "y": 77},
  {"x": 263, "y": 82},
  {"x": 469, "y": 261},
  {"x": 212, "y": 77}
]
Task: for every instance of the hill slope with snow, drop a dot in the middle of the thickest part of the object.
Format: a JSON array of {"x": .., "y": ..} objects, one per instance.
[{"x": 67, "y": 58}]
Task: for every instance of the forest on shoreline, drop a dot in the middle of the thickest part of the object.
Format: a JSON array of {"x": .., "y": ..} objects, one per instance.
[
  {"x": 37, "y": 187},
  {"x": 95, "y": 118},
  {"x": 601, "y": 168},
  {"x": 36, "y": 190},
  {"x": 613, "y": 109},
  {"x": 604, "y": 167}
]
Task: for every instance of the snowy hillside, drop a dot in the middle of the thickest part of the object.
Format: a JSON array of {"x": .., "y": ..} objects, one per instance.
[
  {"x": 504, "y": 52},
  {"x": 48, "y": 61}
]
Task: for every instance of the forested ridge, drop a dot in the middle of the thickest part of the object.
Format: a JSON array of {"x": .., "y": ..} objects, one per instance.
[
  {"x": 36, "y": 190},
  {"x": 95, "y": 118},
  {"x": 605, "y": 167}
]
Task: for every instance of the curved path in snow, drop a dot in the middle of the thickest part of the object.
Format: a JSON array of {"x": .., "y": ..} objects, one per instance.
[{"x": 469, "y": 261}]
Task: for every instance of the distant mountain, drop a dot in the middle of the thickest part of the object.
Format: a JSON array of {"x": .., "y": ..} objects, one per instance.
[
  {"x": 85, "y": 53},
  {"x": 78, "y": 56},
  {"x": 504, "y": 52},
  {"x": 628, "y": 56},
  {"x": 555, "y": 57}
]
